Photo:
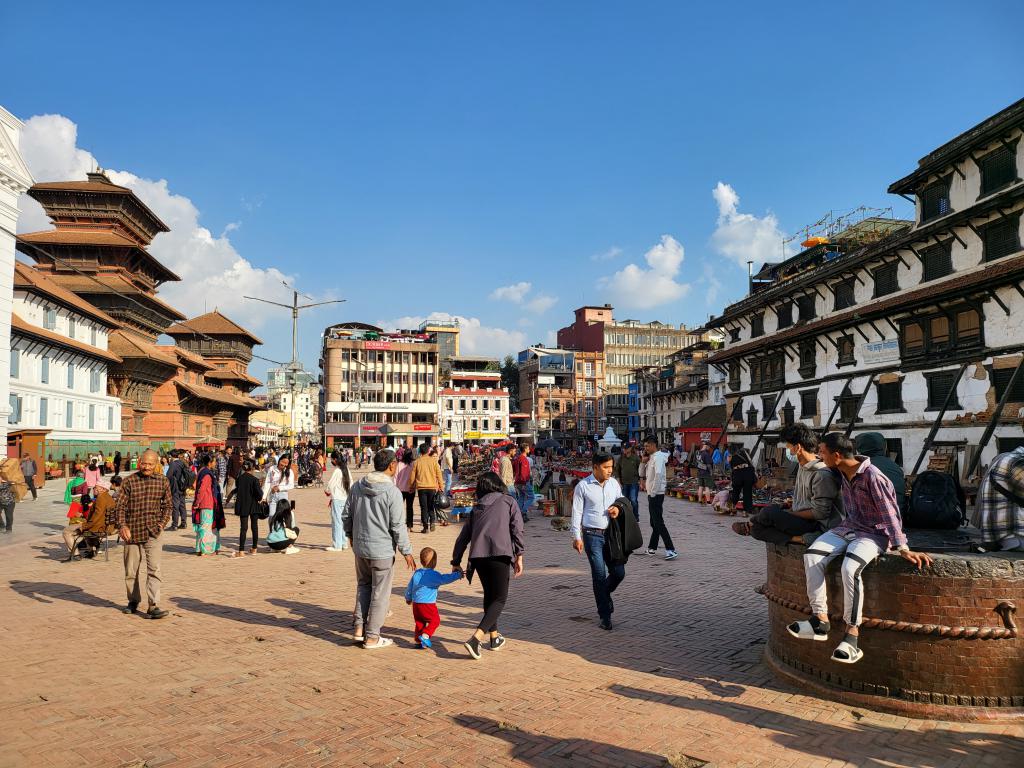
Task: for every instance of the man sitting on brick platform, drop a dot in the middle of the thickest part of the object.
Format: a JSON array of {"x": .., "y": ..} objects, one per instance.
[
  {"x": 999, "y": 511},
  {"x": 872, "y": 526},
  {"x": 817, "y": 502}
]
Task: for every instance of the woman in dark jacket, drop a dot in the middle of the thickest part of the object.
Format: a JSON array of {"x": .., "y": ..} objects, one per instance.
[
  {"x": 743, "y": 478},
  {"x": 494, "y": 535},
  {"x": 248, "y": 493}
]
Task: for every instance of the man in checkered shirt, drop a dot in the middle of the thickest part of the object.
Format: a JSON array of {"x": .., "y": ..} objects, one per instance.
[
  {"x": 999, "y": 511},
  {"x": 142, "y": 510}
]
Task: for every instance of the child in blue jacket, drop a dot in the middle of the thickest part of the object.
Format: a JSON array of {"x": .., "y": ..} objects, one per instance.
[{"x": 421, "y": 594}]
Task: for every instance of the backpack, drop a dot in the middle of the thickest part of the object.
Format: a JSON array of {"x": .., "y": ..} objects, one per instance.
[{"x": 934, "y": 503}]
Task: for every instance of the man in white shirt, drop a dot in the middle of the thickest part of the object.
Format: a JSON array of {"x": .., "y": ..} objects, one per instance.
[
  {"x": 447, "y": 467},
  {"x": 653, "y": 484},
  {"x": 591, "y": 510}
]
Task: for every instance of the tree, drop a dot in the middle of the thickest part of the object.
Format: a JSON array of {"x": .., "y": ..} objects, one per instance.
[{"x": 510, "y": 381}]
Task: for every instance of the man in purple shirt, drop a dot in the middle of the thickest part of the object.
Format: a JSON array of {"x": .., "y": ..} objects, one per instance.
[{"x": 872, "y": 527}]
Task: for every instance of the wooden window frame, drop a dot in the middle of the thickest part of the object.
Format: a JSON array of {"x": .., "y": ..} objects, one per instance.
[
  {"x": 849, "y": 283},
  {"x": 805, "y": 393},
  {"x": 944, "y": 183},
  {"x": 899, "y": 407},
  {"x": 894, "y": 268},
  {"x": 1009, "y": 148},
  {"x": 934, "y": 404}
]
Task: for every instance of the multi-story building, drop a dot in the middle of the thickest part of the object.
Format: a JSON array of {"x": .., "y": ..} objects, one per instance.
[
  {"x": 305, "y": 421},
  {"x": 170, "y": 395},
  {"x": 14, "y": 180},
  {"x": 905, "y": 328},
  {"x": 379, "y": 386},
  {"x": 624, "y": 345},
  {"x": 280, "y": 379},
  {"x": 474, "y": 406},
  {"x": 445, "y": 334},
  {"x": 633, "y": 423},
  {"x": 563, "y": 390},
  {"x": 680, "y": 390},
  {"x": 58, "y": 362}
]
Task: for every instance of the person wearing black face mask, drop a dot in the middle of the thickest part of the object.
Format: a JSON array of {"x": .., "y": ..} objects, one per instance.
[{"x": 817, "y": 500}]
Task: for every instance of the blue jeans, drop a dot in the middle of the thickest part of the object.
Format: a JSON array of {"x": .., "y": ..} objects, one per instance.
[
  {"x": 605, "y": 578},
  {"x": 524, "y": 496},
  {"x": 447, "y": 480},
  {"x": 632, "y": 492},
  {"x": 337, "y": 529}
]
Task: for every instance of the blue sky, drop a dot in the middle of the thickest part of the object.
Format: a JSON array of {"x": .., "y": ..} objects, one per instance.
[{"x": 416, "y": 157}]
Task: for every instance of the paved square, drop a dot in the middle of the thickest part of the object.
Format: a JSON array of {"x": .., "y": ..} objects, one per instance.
[{"x": 255, "y": 666}]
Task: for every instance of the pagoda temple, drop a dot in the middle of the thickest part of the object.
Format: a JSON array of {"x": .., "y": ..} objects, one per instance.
[{"x": 170, "y": 394}]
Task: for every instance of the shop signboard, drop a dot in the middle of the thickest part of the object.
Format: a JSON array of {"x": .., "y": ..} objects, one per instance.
[
  {"x": 367, "y": 387},
  {"x": 545, "y": 379},
  {"x": 423, "y": 427},
  {"x": 378, "y": 345}
]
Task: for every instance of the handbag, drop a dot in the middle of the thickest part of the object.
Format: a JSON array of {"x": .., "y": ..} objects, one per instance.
[
  {"x": 262, "y": 510},
  {"x": 442, "y": 500}
]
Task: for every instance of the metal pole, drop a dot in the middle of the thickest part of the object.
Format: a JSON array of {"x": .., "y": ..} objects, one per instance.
[
  {"x": 994, "y": 421},
  {"x": 767, "y": 421},
  {"x": 938, "y": 419},
  {"x": 835, "y": 408},
  {"x": 860, "y": 404}
]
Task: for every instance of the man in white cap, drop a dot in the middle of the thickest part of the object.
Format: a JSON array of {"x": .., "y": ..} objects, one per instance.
[{"x": 96, "y": 522}]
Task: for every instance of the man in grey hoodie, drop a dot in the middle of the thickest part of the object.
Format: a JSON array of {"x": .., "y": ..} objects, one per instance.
[
  {"x": 374, "y": 521},
  {"x": 817, "y": 499}
]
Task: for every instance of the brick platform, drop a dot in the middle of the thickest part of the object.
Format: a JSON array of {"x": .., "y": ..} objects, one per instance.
[
  {"x": 946, "y": 645},
  {"x": 254, "y": 666}
]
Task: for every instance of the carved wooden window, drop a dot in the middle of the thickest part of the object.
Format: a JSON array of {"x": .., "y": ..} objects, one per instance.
[
  {"x": 1001, "y": 238},
  {"x": 935, "y": 200},
  {"x": 998, "y": 168}
]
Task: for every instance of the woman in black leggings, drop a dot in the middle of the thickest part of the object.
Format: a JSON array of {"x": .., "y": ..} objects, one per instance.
[{"x": 494, "y": 535}]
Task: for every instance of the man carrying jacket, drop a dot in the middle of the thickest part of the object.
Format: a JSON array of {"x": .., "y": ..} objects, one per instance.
[
  {"x": 425, "y": 480},
  {"x": 817, "y": 499},
  {"x": 374, "y": 521}
]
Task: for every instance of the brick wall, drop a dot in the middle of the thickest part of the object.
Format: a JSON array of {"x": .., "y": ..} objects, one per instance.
[{"x": 928, "y": 672}]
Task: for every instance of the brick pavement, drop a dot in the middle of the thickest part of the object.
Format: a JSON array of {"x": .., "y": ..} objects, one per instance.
[{"x": 255, "y": 666}]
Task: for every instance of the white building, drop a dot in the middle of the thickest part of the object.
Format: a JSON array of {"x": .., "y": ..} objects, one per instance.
[
  {"x": 898, "y": 327},
  {"x": 58, "y": 362},
  {"x": 474, "y": 407},
  {"x": 307, "y": 399},
  {"x": 14, "y": 180}
]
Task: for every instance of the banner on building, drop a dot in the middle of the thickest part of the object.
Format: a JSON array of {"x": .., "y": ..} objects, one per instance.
[{"x": 885, "y": 351}]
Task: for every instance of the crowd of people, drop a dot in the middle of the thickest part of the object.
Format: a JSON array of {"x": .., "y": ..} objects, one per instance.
[{"x": 848, "y": 503}]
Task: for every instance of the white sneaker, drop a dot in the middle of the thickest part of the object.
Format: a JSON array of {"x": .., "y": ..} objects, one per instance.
[
  {"x": 652, "y": 551},
  {"x": 671, "y": 555},
  {"x": 336, "y": 549},
  {"x": 292, "y": 550}
]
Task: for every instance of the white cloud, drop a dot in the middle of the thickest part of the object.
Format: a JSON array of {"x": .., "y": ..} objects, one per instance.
[
  {"x": 712, "y": 286},
  {"x": 541, "y": 303},
  {"x": 475, "y": 338},
  {"x": 637, "y": 287},
  {"x": 514, "y": 293},
  {"x": 517, "y": 293},
  {"x": 213, "y": 273},
  {"x": 612, "y": 253},
  {"x": 743, "y": 237}
]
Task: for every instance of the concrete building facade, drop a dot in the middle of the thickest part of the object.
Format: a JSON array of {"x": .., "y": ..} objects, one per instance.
[{"x": 379, "y": 387}]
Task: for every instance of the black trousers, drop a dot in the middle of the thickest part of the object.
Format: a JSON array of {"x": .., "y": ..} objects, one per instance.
[
  {"x": 8, "y": 510},
  {"x": 745, "y": 485},
  {"x": 656, "y": 505},
  {"x": 31, "y": 483},
  {"x": 408, "y": 496},
  {"x": 427, "y": 514},
  {"x": 777, "y": 525},
  {"x": 494, "y": 574},
  {"x": 247, "y": 522}
]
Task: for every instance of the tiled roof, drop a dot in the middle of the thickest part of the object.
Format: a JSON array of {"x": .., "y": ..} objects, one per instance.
[
  {"x": 113, "y": 282},
  {"x": 184, "y": 354},
  {"x": 129, "y": 346},
  {"x": 30, "y": 279},
  {"x": 100, "y": 237},
  {"x": 229, "y": 374},
  {"x": 98, "y": 182},
  {"x": 217, "y": 395},
  {"x": 984, "y": 276},
  {"x": 708, "y": 417},
  {"x": 20, "y": 326},
  {"x": 213, "y": 323}
]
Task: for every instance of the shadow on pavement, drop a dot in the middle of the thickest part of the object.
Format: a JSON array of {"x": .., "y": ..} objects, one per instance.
[
  {"x": 315, "y": 621},
  {"x": 860, "y": 742},
  {"x": 40, "y": 591},
  {"x": 540, "y": 750}
]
